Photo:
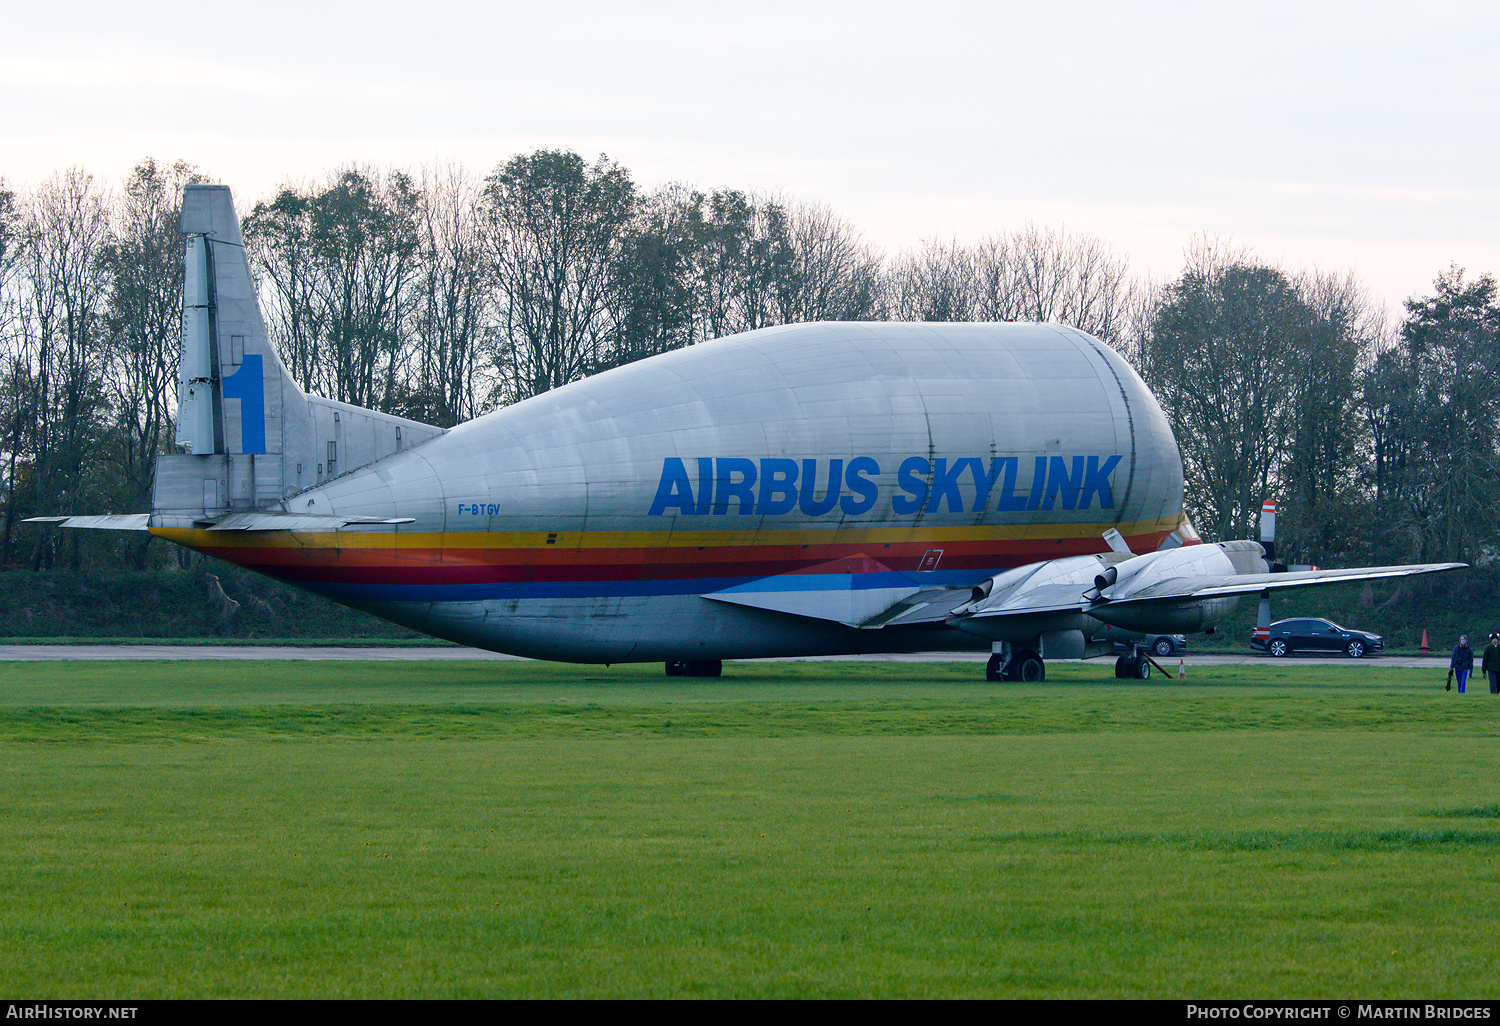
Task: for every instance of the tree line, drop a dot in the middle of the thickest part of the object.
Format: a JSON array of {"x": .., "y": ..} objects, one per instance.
[{"x": 441, "y": 295}]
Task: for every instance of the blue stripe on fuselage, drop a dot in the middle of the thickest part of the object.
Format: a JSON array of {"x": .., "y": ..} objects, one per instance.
[{"x": 347, "y": 592}]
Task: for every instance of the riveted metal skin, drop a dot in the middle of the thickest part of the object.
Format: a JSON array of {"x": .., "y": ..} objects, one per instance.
[{"x": 734, "y": 499}]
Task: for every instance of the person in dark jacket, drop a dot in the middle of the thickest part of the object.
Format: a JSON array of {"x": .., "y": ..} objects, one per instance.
[
  {"x": 1491, "y": 664},
  {"x": 1462, "y": 663}
]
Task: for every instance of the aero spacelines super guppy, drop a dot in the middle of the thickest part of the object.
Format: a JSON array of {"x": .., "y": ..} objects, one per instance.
[{"x": 800, "y": 490}]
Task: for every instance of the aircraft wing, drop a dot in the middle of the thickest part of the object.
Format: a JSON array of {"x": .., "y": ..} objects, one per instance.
[
  {"x": 851, "y": 591},
  {"x": 930, "y": 605},
  {"x": 859, "y": 591},
  {"x": 1046, "y": 598},
  {"x": 1179, "y": 588}
]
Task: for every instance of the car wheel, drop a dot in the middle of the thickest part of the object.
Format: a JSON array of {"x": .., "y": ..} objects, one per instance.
[
  {"x": 1356, "y": 649},
  {"x": 1278, "y": 648},
  {"x": 1163, "y": 646}
]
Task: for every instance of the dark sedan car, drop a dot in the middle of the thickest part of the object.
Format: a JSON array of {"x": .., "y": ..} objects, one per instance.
[
  {"x": 1313, "y": 635},
  {"x": 1162, "y": 645}
]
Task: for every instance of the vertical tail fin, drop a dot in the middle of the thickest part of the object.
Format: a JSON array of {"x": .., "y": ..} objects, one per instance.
[
  {"x": 234, "y": 388},
  {"x": 254, "y": 435}
]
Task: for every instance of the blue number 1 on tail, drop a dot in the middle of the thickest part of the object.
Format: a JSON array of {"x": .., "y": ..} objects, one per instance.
[{"x": 248, "y": 386}]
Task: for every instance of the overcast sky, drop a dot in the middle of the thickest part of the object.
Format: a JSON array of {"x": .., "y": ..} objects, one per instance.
[{"x": 1341, "y": 136}]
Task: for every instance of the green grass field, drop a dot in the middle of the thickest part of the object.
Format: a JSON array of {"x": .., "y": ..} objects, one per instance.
[{"x": 286, "y": 829}]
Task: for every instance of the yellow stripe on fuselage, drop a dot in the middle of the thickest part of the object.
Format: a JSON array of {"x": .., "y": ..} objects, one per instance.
[{"x": 388, "y": 538}]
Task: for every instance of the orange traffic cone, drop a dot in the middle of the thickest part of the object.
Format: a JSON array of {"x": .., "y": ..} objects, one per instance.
[
  {"x": 1424, "y": 639},
  {"x": 1181, "y": 668}
]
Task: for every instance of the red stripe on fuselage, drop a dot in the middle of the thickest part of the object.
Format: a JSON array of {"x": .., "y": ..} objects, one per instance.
[{"x": 472, "y": 565}]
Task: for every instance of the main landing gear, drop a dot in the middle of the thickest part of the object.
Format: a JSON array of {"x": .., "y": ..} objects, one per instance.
[
  {"x": 1136, "y": 665},
  {"x": 1023, "y": 665},
  {"x": 696, "y": 668}
]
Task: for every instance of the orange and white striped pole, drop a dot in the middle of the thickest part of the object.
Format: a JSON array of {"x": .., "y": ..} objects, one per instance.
[{"x": 1267, "y": 542}]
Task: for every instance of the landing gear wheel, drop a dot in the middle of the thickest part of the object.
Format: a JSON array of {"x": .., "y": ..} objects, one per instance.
[
  {"x": 695, "y": 668},
  {"x": 992, "y": 668},
  {"x": 1142, "y": 669},
  {"x": 1356, "y": 649},
  {"x": 1028, "y": 668},
  {"x": 1122, "y": 668},
  {"x": 1278, "y": 648}
]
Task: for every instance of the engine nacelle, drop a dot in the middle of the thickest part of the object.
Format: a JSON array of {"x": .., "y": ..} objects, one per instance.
[
  {"x": 1019, "y": 587},
  {"x": 1188, "y": 617}
]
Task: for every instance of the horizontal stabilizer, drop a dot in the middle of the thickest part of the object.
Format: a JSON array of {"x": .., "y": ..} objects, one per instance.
[
  {"x": 265, "y": 520},
  {"x": 850, "y": 591},
  {"x": 123, "y": 522}
]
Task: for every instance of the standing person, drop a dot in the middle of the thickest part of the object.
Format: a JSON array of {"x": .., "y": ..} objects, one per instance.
[
  {"x": 1462, "y": 663},
  {"x": 1491, "y": 664}
]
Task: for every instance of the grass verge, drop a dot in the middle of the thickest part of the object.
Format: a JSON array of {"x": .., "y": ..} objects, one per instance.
[{"x": 790, "y": 830}]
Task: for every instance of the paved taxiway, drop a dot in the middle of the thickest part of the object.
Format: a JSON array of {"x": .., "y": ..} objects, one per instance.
[{"x": 37, "y": 653}]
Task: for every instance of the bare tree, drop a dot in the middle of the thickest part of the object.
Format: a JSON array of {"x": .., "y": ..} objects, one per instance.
[
  {"x": 1033, "y": 275},
  {"x": 657, "y": 298},
  {"x": 279, "y": 238},
  {"x": 15, "y": 389},
  {"x": 1068, "y": 279},
  {"x": 766, "y": 267},
  {"x": 10, "y": 249},
  {"x": 341, "y": 263},
  {"x": 994, "y": 272},
  {"x": 61, "y": 338},
  {"x": 453, "y": 319},
  {"x": 939, "y": 282},
  {"x": 698, "y": 266},
  {"x": 144, "y": 319},
  {"x": 555, "y": 231},
  {"x": 747, "y": 265},
  {"x": 833, "y": 275},
  {"x": 723, "y": 258}
]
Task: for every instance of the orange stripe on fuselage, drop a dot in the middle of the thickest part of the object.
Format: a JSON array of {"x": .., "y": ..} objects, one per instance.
[{"x": 392, "y": 555}]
